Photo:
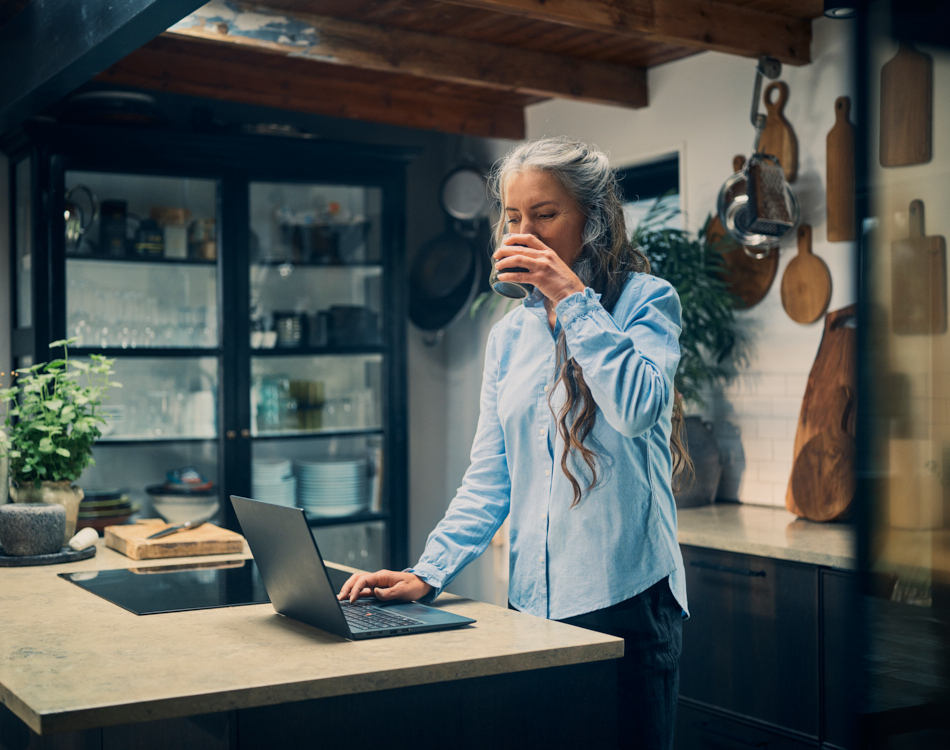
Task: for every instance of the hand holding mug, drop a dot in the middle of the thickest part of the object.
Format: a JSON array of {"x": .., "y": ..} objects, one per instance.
[{"x": 536, "y": 265}]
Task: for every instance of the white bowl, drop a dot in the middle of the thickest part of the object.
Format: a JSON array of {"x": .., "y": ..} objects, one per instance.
[{"x": 177, "y": 508}]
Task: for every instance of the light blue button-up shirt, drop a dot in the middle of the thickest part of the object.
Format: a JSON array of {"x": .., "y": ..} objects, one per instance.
[{"x": 621, "y": 538}]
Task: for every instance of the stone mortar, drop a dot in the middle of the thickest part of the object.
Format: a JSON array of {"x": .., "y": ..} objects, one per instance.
[{"x": 32, "y": 528}]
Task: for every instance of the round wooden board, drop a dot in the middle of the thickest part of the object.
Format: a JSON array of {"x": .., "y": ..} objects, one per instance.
[
  {"x": 823, "y": 480},
  {"x": 748, "y": 278},
  {"x": 806, "y": 283}
]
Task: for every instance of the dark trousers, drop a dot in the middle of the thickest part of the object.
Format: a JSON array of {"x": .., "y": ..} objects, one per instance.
[{"x": 651, "y": 626}]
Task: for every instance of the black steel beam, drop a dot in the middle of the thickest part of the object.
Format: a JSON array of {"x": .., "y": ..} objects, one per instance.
[{"x": 51, "y": 47}]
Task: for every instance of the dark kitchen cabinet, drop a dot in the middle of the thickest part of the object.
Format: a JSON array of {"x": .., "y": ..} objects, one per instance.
[
  {"x": 250, "y": 288},
  {"x": 700, "y": 729},
  {"x": 766, "y": 653},
  {"x": 840, "y": 665}
]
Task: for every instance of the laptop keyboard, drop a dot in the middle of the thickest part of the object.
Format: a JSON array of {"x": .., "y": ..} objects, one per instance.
[{"x": 363, "y": 615}]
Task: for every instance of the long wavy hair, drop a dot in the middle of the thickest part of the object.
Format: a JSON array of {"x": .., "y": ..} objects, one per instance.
[{"x": 605, "y": 262}]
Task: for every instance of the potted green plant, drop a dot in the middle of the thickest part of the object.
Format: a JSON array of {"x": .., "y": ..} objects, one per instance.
[
  {"x": 711, "y": 347},
  {"x": 53, "y": 416}
]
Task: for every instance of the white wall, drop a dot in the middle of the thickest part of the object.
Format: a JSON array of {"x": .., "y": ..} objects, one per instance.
[{"x": 699, "y": 107}]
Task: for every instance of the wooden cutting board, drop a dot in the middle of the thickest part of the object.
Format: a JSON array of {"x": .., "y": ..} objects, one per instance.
[
  {"x": 839, "y": 162},
  {"x": 906, "y": 108},
  {"x": 748, "y": 278},
  {"x": 918, "y": 279},
  {"x": 834, "y": 367},
  {"x": 207, "y": 539},
  {"x": 778, "y": 138},
  {"x": 806, "y": 283},
  {"x": 823, "y": 479}
]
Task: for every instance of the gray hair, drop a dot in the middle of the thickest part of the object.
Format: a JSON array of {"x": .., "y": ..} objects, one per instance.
[{"x": 607, "y": 257}]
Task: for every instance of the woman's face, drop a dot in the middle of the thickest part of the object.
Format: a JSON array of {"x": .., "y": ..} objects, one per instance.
[{"x": 537, "y": 203}]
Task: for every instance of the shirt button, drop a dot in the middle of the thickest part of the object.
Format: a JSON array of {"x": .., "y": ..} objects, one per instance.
[
  {"x": 540, "y": 558},
  {"x": 544, "y": 516},
  {"x": 547, "y": 472},
  {"x": 545, "y": 389},
  {"x": 542, "y": 431}
]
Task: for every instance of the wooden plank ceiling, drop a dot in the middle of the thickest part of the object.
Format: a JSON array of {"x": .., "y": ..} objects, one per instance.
[{"x": 458, "y": 66}]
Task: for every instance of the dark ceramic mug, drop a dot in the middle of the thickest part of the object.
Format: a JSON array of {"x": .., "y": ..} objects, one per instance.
[{"x": 512, "y": 289}]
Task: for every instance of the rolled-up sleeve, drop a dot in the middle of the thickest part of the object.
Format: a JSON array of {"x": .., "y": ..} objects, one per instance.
[{"x": 628, "y": 358}]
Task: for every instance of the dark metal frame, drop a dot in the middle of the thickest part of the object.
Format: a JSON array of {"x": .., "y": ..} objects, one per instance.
[{"x": 234, "y": 161}]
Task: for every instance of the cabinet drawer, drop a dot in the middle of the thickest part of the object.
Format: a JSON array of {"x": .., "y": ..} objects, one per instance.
[
  {"x": 697, "y": 729},
  {"x": 751, "y": 643}
]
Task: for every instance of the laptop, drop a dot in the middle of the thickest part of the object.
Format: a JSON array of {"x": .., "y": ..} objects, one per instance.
[{"x": 300, "y": 586}]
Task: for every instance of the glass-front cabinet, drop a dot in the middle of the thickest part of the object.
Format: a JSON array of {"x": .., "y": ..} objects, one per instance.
[{"x": 248, "y": 289}]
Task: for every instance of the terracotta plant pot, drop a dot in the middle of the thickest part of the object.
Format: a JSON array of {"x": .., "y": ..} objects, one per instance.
[{"x": 58, "y": 493}]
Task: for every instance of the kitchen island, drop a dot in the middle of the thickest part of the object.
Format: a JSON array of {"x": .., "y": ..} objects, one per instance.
[{"x": 79, "y": 671}]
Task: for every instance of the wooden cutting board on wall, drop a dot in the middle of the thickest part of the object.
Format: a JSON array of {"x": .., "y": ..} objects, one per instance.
[
  {"x": 806, "y": 283},
  {"x": 918, "y": 279},
  {"x": 778, "y": 138},
  {"x": 906, "y": 108},
  {"x": 839, "y": 162},
  {"x": 834, "y": 368}
]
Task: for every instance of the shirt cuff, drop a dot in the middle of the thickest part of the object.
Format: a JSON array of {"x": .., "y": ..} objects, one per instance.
[
  {"x": 433, "y": 576},
  {"x": 577, "y": 305}
]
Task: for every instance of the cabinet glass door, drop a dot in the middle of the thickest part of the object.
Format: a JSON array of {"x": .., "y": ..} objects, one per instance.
[
  {"x": 319, "y": 359},
  {"x": 140, "y": 261},
  {"x": 142, "y": 287}
]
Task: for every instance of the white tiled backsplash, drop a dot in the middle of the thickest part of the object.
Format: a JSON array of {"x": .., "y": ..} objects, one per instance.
[{"x": 755, "y": 420}]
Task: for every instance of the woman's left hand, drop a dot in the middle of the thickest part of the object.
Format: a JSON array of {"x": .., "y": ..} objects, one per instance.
[{"x": 546, "y": 269}]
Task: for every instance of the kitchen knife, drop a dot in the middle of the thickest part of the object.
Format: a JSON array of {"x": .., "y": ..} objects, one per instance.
[{"x": 175, "y": 529}]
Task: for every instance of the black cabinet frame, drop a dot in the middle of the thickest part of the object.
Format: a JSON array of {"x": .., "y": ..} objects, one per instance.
[{"x": 233, "y": 161}]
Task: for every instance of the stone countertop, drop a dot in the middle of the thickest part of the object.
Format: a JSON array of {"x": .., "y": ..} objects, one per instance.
[
  {"x": 768, "y": 532},
  {"x": 70, "y": 660}
]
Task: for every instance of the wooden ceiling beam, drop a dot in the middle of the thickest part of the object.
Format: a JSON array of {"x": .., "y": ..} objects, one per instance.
[
  {"x": 700, "y": 24},
  {"x": 391, "y": 50},
  {"x": 207, "y": 70}
]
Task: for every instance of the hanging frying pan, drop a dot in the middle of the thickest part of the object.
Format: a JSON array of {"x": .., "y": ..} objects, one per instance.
[
  {"x": 448, "y": 270},
  {"x": 443, "y": 278}
]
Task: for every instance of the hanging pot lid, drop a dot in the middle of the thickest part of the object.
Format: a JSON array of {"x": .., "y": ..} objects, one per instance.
[
  {"x": 464, "y": 194},
  {"x": 442, "y": 280}
]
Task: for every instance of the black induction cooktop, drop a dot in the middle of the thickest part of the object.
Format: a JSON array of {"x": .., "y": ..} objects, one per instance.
[
  {"x": 179, "y": 588},
  {"x": 176, "y": 588}
]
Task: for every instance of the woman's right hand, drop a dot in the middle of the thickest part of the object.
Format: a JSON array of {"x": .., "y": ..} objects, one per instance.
[{"x": 384, "y": 585}]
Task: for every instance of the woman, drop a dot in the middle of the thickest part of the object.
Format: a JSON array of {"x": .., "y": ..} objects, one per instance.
[{"x": 574, "y": 434}]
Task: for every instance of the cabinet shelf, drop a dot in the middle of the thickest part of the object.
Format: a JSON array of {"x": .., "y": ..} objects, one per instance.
[
  {"x": 297, "y": 434},
  {"x": 144, "y": 352},
  {"x": 142, "y": 261},
  {"x": 315, "y": 520},
  {"x": 275, "y": 263},
  {"x": 316, "y": 351},
  {"x": 149, "y": 440}
]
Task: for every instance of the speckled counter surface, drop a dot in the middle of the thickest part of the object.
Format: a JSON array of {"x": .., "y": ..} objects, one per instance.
[
  {"x": 70, "y": 660},
  {"x": 768, "y": 532}
]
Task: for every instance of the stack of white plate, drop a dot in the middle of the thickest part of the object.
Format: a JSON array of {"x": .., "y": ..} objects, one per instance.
[
  {"x": 333, "y": 488},
  {"x": 274, "y": 482}
]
